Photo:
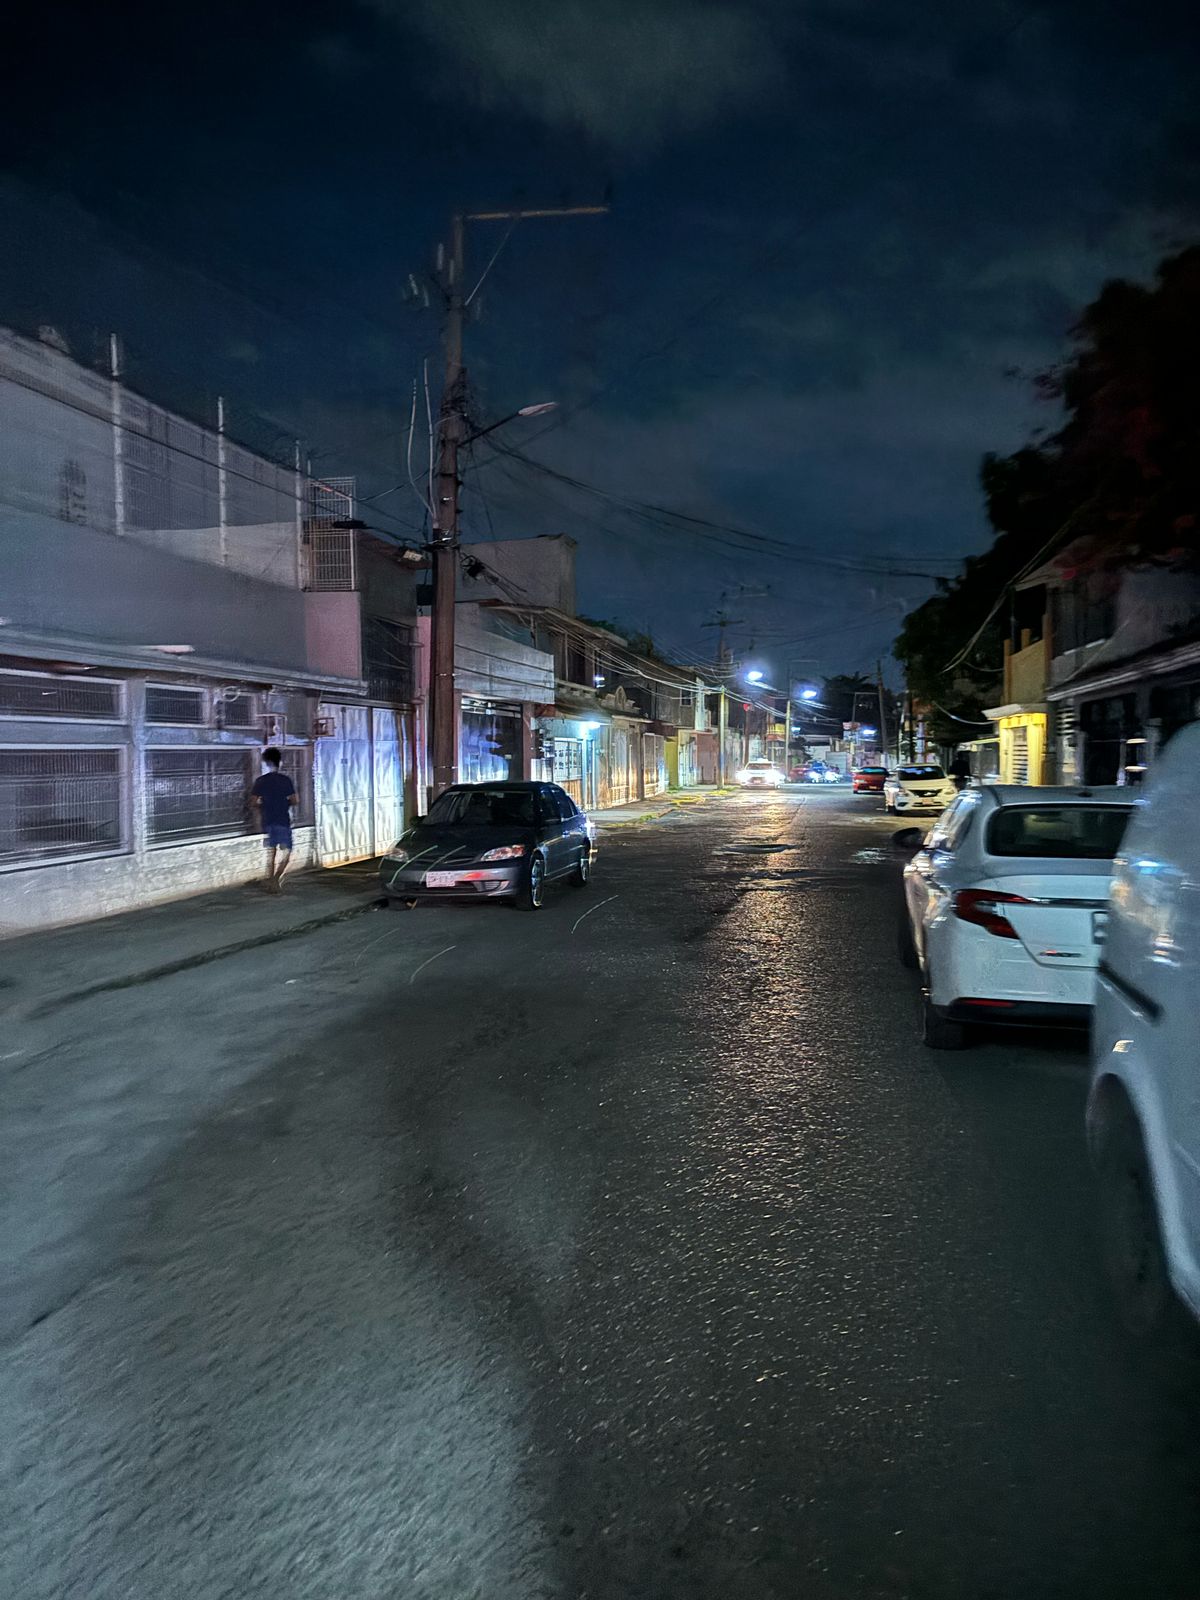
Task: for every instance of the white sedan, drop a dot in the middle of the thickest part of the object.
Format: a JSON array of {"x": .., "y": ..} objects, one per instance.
[
  {"x": 760, "y": 775},
  {"x": 922, "y": 786},
  {"x": 1005, "y": 905}
]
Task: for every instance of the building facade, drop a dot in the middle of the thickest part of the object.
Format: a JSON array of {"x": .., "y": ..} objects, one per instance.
[{"x": 156, "y": 632}]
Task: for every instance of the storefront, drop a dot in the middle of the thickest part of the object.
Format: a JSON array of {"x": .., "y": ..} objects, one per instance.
[{"x": 489, "y": 741}]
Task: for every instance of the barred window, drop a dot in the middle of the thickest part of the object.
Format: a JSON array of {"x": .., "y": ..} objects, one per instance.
[
  {"x": 238, "y": 710},
  {"x": 33, "y": 694},
  {"x": 194, "y": 794},
  {"x": 59, "y": 803},
  {"x": 169, "y": 704}
]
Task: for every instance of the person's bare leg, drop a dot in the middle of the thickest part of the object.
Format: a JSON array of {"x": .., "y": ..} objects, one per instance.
[
  {"x": 284, "y": 857},
  {"x": 269, "y": 881}
]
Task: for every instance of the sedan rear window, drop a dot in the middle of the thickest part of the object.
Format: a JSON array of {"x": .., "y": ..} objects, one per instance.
[
  {"x": 1065, "y": 833},
  {"x": 873, "y": 772},
  {"x": 907, "y": 774},
  {"x": 473, "y": 808}
]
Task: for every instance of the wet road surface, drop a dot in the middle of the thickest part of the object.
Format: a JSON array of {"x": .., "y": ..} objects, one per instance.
[{"x": 633, "y": 1248}]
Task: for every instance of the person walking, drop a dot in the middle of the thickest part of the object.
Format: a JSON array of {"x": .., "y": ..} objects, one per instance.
[
  {"x": 960, "y": 771},
  {"x": 275, "y": 796}
]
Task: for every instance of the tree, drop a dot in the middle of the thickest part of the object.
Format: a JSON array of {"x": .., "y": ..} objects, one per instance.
[{"x": 1122, "y": 473}]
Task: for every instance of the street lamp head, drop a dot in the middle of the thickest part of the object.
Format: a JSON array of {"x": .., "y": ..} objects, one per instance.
[
  {"x": 808, "y": 694},
  {"x": 538, "y": 410},
  {"x": 754, "y": 676}
]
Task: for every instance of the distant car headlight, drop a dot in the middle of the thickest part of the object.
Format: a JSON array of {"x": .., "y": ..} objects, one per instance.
[{"x": 503, "y": 852}]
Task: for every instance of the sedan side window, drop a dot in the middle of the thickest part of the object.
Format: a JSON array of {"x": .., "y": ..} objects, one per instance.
[
  {"x": 953, "y": 827},
  {"x": 566, "y": 806}
]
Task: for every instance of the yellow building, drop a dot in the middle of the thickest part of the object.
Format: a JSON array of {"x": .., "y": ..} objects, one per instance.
[{"x": 1022, "y": 720}]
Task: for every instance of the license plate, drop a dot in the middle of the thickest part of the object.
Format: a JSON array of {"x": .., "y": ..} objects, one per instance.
[
  {"x": 1099, "y": 926},
  {"x": 440, "y": 880}
]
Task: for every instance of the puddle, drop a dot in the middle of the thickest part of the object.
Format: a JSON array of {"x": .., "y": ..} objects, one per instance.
[
  {"x": 750, "y": 847},
  {"x": 873, "y": 856}
]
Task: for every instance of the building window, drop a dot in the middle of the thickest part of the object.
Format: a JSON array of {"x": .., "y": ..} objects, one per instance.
[
  {"x": 237, "y": 709},
  {"x": 35, "y": 694},
  {"x": 168, "y": 704},
  {"x": 197, "y": 794},
  {"x": 59, "y": 803},
  {"x": 388, "y": 649}
]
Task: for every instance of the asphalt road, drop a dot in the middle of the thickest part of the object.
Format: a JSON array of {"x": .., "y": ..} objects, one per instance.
[{"x": 636, "y": 1248}]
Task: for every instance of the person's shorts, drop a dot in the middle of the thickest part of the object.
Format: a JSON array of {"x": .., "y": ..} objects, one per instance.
[{"x": 278, "y": 836}]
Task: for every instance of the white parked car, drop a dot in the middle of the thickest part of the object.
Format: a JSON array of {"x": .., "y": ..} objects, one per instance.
[
  {"x": 1144, "y": 1104},
  {"x": 921, "y": 786},
  {"x": 1005, "y": 906},
  {"x": 760, "y": 775}
]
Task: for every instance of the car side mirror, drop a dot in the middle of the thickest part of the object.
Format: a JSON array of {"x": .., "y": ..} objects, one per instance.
[{"x": 908, "y": 840}]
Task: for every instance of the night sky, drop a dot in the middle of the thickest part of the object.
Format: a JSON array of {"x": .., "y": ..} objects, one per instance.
[{"x": 843, "y": 237}]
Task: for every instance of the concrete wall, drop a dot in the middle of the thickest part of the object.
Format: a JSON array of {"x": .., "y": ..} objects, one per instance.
[
  {"x": 541, "y": 571},
  {"x": 77, "y": 891},
  {"x": 85, "y": 450},
  {"x": 61, "y": 578},
  {"x": 496, "y": 667}
]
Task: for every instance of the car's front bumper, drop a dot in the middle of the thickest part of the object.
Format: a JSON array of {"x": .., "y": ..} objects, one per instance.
[
  {"x": 492, "y": 880},
  {"x": 907, "y": 802}
]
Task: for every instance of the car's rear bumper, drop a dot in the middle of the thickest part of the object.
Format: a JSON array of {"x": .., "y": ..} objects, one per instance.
[{"x": 1018, "y": 1013}]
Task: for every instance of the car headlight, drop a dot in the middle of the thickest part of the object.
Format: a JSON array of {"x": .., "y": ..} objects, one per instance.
[
  {"x": 503, "y": 852},
  {"x": 398, "y": 852}
]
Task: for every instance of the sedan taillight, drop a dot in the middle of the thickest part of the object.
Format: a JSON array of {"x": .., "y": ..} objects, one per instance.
[{"x": 980, "y": 906}]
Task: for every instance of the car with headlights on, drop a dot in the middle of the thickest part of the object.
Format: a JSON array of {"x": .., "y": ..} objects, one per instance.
[
  {"x": 920, "y": 786},
  {"x": 760, "y": 775},
  {"x": 1005, "y": 906},
  {"x": 492, "y": 841}
]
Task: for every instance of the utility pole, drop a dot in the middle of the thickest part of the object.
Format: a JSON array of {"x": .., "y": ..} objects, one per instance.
[
  {"x": 883, "y": 731},
  {"x": 451, "y": 432},
  {"x": 444, "y": 718}
]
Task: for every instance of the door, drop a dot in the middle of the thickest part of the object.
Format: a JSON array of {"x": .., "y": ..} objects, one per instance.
[
  {"x": 389, "y": 748},
  {"x": 342, "y": 785},
  {"x": 559, "y": 812}
]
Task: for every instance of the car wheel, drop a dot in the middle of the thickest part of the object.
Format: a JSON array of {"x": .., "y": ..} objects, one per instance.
[
  {"x": 905, "y": 947},
  {"x": 535, "y": 884},
  {"x": 937, "y": 1031},
  {"x": 582, "y": 875},
  {"x": 1135, "y": 1263}
]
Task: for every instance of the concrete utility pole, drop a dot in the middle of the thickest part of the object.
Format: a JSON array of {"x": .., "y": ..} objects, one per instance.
[{"x": 451, "y": 435}]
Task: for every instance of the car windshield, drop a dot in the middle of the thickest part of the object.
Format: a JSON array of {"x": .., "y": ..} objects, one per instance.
[
  {"x": 1066, "y": 833},
  {"x": 765, "y": 765},
  {"x": 483, "y": 808},
  {"x": 873, "y": 772},
  {"x": 907, "y": 774}
]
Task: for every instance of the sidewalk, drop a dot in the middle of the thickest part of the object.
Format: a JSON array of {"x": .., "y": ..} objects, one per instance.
[
  {"x": 41, "y": 971},
  {"x": 636, "y": 812}
]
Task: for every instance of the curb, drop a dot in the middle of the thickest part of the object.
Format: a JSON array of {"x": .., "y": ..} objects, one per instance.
[{"x": 201, "y": 958}]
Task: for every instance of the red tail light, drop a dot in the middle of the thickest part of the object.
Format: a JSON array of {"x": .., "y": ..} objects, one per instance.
[{"x": 981, "y": 906}]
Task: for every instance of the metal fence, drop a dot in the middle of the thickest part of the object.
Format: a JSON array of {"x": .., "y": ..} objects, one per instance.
[{"x": 59, "y": 803}]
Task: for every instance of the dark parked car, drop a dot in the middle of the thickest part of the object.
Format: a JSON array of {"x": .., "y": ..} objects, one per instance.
[{"x": 491, "y": 841}]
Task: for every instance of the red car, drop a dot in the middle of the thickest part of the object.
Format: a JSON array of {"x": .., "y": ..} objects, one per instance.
[{"x": 869, "y": 780}]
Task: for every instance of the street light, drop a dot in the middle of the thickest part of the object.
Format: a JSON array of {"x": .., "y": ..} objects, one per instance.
[
  {"x": 754, "y": 676},
  {"x": 808, "y": 694}
]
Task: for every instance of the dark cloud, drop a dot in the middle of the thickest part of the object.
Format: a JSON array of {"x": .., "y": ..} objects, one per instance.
[{"x": 630, "y": 73}]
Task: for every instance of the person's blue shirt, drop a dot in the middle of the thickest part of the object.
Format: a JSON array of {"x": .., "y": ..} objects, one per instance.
[{"x": 274, "y": 790}]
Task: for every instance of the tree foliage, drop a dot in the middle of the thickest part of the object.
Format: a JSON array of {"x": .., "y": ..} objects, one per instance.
[{"x": 1122, "y": 472}]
